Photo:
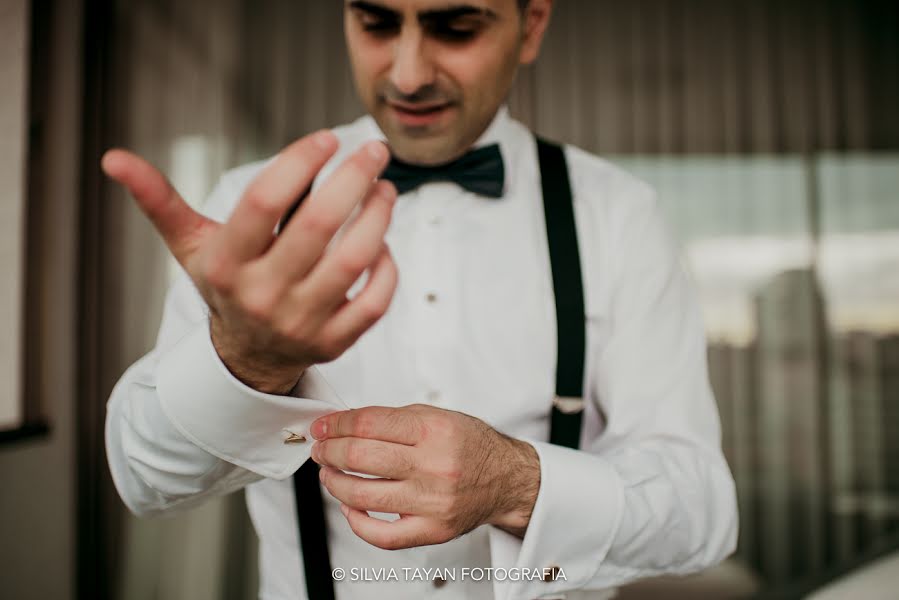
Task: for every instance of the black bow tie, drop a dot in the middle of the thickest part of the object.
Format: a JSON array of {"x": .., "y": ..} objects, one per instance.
[{"x": 480, "y": 171}]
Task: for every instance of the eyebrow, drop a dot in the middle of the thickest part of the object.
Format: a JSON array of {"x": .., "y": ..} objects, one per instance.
[
  {"x": 448, "y": 13},
  {"x": 455, "y": 12},
  {"x": 375, "y": 9}
]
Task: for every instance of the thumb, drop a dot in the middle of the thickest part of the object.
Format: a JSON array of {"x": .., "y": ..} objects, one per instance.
[{"x": 181, "y": 227}]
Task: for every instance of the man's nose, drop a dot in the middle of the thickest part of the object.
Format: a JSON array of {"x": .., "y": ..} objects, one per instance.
[{"x": 412, "y": 67}]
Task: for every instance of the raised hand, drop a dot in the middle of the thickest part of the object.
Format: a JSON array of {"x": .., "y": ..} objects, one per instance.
[{"x": 278, "y": 304}]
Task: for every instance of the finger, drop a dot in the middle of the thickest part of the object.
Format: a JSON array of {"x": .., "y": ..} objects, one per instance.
[
  {"x": 372, "y": 457},
  {"x": 363, "y": 493},
  {"x": 181, "y": 227},
  {"x": 249, "y": 231},
  {"x": 306, "y": 235},
  {"x": 406, "y": 532},
  {"x": 397, "y": 425},
  {"x": 310, "y": 296},
  {"x": 356, "y": 316},
  {"x": 354, "y": 252}
]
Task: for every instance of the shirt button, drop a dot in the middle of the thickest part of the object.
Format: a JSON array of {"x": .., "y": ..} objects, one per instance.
[
  {"x": 439, "y": 581},
  {"x": 433, "y": 396},
  {"x": 435, "y": 221},
  {"x": 550, "y": 573},
  {"x": 431, "y": 298}
]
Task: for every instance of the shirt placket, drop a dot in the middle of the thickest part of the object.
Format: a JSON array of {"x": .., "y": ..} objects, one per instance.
[{"x": 432, "y": 305}]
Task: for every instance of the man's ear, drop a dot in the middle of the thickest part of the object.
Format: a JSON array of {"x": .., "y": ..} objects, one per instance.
[{"x": 536, "y": 20}]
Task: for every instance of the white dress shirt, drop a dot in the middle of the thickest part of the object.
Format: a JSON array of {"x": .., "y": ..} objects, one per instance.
[{"x": 471, "y": 328}]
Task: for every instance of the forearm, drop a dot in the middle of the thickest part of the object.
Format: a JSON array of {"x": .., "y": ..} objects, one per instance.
[
  {"x": 154, "y": 466},
  {"x": 180, "y": 427},
  {"x": 678, "y": 513},
  {"x": 609, "y": 519}
]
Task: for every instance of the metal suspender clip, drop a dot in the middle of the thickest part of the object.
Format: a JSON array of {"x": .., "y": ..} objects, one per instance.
[{"x": 568, "y": 405}]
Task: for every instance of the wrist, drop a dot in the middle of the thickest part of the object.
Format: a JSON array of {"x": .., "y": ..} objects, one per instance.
[
  {"x": 261, "y": 375},
  {"x": 522, "y": 467}
]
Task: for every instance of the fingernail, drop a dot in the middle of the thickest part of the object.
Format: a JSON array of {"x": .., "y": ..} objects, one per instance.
[
  {"x": 344, "y": 509},
  {"x": 384, "y": 193},
  {"x": 104, "y": 161},
  {"x": 389, "y": 190},
  {"x": 378, "y": 151},
  {"x": 325, "y": 139},
  {"x": 319, "y": 429}
]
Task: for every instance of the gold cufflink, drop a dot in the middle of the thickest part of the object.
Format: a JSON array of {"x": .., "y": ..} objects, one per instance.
[{"x": 294, "y": 438}]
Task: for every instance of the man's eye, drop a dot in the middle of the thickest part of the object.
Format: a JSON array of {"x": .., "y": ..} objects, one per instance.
[
  {"x": 380, "y": 26},
  {"x": 454, "y": 34}
]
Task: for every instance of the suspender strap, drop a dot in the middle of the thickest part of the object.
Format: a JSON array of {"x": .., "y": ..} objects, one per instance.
[
  {"x": 558, "y": 206},
  {"x": 313, "y": 533},
  {"x": 565, "y": 419}
]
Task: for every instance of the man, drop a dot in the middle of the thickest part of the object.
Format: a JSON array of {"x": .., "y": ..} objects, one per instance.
[{"x": 442, "y": 460}]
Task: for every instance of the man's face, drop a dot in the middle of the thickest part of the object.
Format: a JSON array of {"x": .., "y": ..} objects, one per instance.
[{"x": 433, "y": 73}]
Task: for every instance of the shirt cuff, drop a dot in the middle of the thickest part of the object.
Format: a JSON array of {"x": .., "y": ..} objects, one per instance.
[
  {"x": 230, "y": 420},
  {"x": 575, "y": 518}
]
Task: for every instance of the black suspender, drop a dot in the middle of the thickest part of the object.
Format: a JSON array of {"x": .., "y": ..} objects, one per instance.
[
  {"x": 313, "y": 532},
  {"x": 568, "y": 289},
  {"x": 565, "y": 419}
]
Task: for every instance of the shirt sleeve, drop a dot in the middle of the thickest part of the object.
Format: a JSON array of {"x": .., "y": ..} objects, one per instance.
[
  {"x": 652, "y": 493},
  {"x": 181, "y": 428}
]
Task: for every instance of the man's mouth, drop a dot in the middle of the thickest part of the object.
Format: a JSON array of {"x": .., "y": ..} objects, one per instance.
[
  {"x": 418, "y": 109},
  {"x": 418, "y": 114}
]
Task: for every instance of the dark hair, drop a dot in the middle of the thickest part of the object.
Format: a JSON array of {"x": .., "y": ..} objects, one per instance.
[{"x": 523, "y": 4}]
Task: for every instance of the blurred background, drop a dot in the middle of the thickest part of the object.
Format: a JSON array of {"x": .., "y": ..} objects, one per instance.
[{"x": 769, "y": 127}]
